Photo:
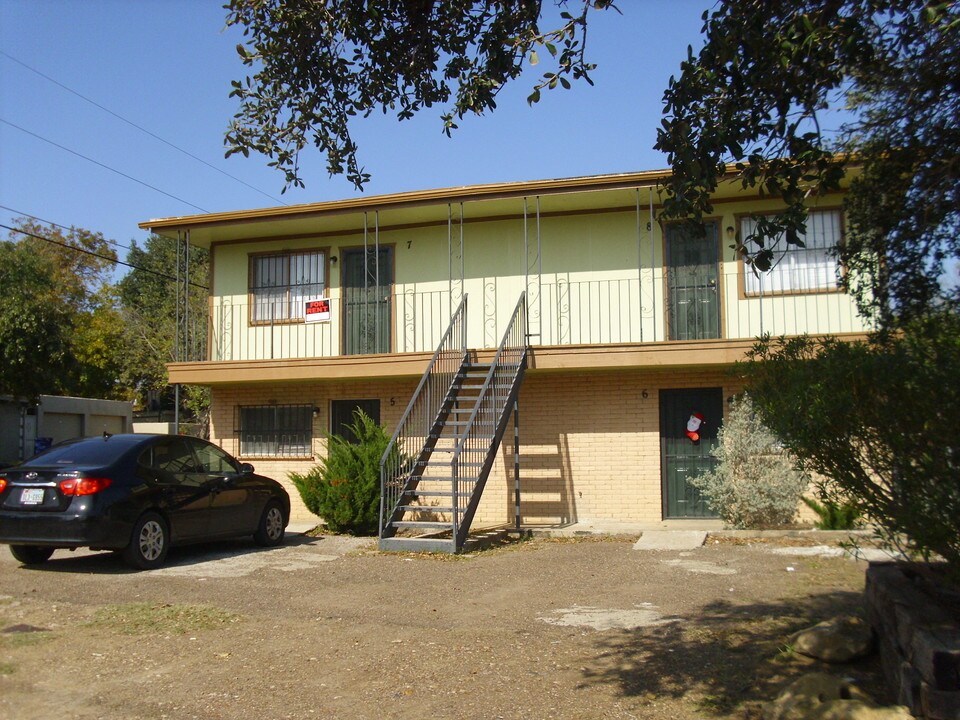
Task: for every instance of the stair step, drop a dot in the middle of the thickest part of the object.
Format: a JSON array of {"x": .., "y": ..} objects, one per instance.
[
  {"x": 453, "y": 449},
  {"x": 425, "y": 508},
  {"x": 456, "y": 438},
  {"x": 418, "y": 544},
  {"x": 444, "y": 463},
  {"x": 432, "y": 493},
  {"x": 422, "y": 524},
  {"x": 444, "y": 478}
]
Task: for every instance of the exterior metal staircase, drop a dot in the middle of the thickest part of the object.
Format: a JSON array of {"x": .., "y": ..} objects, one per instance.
[{"x": 434, "y": 470}]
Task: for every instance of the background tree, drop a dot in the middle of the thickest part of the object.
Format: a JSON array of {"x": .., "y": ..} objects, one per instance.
[
  {"x": 58, "y": 322},
  {"x": 321, "y": 65},
  {"x": 33, "y": 341}
]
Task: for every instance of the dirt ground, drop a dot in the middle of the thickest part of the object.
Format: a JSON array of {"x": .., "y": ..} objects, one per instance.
[{"x": 327, "y": 627}]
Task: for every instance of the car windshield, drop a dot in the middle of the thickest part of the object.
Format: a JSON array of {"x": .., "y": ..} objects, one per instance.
[{"x": 95, "y": 452}]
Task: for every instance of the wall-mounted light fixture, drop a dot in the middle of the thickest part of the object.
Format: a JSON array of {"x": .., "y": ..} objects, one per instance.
[
  {"x": 333, "y": 259},
  {"x": 731, "y": 232},
  {"x": 316, "y": 412}
]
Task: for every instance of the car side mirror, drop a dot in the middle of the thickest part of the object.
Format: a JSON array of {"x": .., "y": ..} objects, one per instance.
[{"x": 246, "y": 469}]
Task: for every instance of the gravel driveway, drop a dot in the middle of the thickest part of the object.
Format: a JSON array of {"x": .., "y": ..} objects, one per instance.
[{"x": 329, "y": 628}]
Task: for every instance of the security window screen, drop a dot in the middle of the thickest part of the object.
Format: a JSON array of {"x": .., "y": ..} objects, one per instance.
[
  {"x": 276, "y": 430},
  {"x": 809, "y": 268},
  {"x": 279, "y": 284}
]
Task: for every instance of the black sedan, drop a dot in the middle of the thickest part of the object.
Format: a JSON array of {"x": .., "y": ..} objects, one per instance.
[{"x": 138, "y": 494}]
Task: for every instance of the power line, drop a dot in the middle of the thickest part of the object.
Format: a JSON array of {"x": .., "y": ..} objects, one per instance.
[
  {"x": 138, "y": 127},
  {"x": 98, "y": 255},
  {"x": 107, "y": 167},
  {"x": 62, "y": 227}
]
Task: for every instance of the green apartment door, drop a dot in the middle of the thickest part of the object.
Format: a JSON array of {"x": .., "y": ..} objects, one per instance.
[
  {"x": 693, "y": 275},
  {"x": 680, "y": 456},
  {"x": 367, "y": 284}
]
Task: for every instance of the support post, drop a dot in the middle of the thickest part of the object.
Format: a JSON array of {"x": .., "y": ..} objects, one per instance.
[
  {"x": 516, "y": 464},
  {"x": 182, "y": 336}
]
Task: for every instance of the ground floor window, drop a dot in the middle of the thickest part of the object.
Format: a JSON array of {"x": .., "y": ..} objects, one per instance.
[
  {"x": 276, "y": 430},
  {"x": 342, "y": 415}
]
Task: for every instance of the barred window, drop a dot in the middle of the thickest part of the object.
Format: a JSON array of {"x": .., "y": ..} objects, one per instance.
[
  {"x": 276, "y": 430},
  {"x": 799, "y": 269},
  {"x": 280, "y": 283}
]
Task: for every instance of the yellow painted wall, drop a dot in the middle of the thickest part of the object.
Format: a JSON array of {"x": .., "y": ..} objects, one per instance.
[{"x": 601, "y": 280}]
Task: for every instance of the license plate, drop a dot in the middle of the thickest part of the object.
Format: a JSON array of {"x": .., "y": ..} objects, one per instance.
[{"x": 31, "y": 496}]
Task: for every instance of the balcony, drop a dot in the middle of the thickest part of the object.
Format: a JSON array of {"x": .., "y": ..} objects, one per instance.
[{"x": 563, "y": 312}]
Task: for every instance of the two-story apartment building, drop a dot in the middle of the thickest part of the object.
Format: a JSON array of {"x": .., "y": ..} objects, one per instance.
[{"x": 631, "y": 328}]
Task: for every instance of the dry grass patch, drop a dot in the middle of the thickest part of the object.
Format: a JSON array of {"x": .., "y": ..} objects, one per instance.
[{"x": 161, "y": 619}]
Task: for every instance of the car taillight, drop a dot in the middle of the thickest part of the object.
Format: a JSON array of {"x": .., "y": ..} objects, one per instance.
[
  {"x": 3, "y": 484},
  {"x": 84, "y": 486}
]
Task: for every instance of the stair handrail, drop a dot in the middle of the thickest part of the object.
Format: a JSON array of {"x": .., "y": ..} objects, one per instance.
[
  {"x": 516, "y": 331},
  {"x": 399, "y": 459}
]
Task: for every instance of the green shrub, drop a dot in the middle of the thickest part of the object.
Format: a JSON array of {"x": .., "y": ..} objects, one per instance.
[
  {"x": 344, "y": 489},
  {"x": 754, "y": 484},
  {"x": 878, "y": 419},
  {"x": 833, "y": 514}
]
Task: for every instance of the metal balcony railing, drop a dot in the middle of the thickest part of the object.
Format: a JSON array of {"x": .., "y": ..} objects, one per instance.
[{"x": 568, "y": 312}]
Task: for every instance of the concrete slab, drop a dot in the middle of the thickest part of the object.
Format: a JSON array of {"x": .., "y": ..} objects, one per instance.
[
  {"x": 670, "y": 540},
  {"x": 613, "y": 527},
  {"x": 299, "y": 528}
]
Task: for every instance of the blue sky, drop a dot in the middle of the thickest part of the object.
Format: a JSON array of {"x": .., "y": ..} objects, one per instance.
[{"x": 166, "y": 65}]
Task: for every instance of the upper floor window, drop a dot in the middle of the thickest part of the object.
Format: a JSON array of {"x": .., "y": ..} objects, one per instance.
[
  {"x": 281, "y": 282},
  {"x": 796, "y": 269}
]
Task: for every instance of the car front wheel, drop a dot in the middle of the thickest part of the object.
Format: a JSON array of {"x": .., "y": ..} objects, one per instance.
[
  {"x": 149, "y": 543},
  {"x": 270, "y": 530},
  {"x": 31, "y": 554}
]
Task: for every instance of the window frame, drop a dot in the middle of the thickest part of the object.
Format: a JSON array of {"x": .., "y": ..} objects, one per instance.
[
  {"x": 300, "y": 447},
  {"x": 743, "y": 270},
  {"x": 293, "y": 314}
]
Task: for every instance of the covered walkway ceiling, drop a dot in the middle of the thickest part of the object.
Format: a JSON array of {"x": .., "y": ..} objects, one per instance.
[{"x": 424, "y": 207}]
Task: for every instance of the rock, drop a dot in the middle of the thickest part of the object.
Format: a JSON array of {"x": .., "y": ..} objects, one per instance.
[
  {"x": 818, "y": 696},
  {"x": 839, "y": 640},
  {"x": 808, "y": 693},
  {"x": 858, "y": 710}
]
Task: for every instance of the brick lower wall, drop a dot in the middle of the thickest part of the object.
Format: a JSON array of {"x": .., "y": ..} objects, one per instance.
[
  {"x": 393, "y": 396},
  {"x": 590, "y": 447},
  {"x": 589, "y": 441}
]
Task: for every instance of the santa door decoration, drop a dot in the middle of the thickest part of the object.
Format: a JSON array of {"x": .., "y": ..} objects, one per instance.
[{"x": 693, "y": 427}]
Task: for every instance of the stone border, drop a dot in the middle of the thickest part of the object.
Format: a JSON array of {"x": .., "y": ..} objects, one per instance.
[{"x": 919, "y": 641}]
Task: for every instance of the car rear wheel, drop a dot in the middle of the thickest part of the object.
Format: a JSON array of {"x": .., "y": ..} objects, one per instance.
[
  {"x": 149, "y": 542},
  {"x": 270, "y": 531},
  {"x": 31, "y": 554}
]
